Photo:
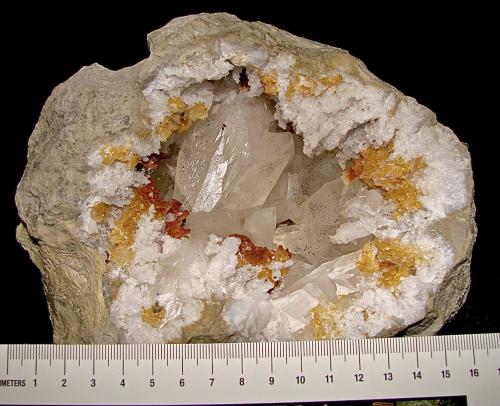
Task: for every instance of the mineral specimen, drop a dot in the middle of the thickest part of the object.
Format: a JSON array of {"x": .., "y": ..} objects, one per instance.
[{"x": 243, "y": 184}]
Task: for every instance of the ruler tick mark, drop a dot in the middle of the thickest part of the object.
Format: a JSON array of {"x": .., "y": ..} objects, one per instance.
[
  {"x": 445, "y": 356},
  {"x": 359, "y": 356},
  {"x": 473, "y": 351},
  {"x": 272, "y": 366},
  {"x": 330, "y": 355},
  {"x": 416, "y": 354}
]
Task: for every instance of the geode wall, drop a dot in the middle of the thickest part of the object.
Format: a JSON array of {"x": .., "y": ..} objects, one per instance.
[{"x": 243, "y": 184}]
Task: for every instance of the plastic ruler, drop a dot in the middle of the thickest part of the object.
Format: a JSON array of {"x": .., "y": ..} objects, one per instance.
[{"x": 278, "y": 372}]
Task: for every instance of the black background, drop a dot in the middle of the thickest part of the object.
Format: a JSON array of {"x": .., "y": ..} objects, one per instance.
[{"x": 443, "y": 58}]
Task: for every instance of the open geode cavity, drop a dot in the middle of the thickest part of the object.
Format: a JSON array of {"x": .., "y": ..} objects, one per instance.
[{"x": 244, "y": 186}]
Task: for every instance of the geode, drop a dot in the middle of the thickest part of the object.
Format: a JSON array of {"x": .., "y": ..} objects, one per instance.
[{"x": 243, "y": 184}]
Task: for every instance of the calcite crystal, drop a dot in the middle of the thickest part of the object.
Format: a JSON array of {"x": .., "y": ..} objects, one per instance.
[{"x": 243, "y": 184}]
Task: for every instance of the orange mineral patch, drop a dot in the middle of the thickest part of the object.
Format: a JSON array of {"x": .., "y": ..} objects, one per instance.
[
  {"x": 281, "y": 254},
  {"x": 284, "y": 272},
  {"x": 266, "y": 274},
  {"x": 292, "y": 85},
  {"x": 120, "y": 153},
  {"x": 324, "y": 321},
  {"x": 330, "y": 81},
  {"x": 181, "y": 117},
  {"x": 100, "y": 212},
  {"x": 377, "y": 169},
  {"x": 148, "y": 195},
  {"x": 176, "y": 218},
  {"x": 153, "y": 315},
  {"x": 308, "y": 86},
  {"x": 269, "y": 81},
  {"x": 250, "y": 254},
  {"x": 392, "y": 258},
  {"x": 122, "y": 236}
]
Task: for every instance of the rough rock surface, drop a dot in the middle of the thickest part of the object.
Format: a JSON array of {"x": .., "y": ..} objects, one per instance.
[{"x": 97, "y": 106}]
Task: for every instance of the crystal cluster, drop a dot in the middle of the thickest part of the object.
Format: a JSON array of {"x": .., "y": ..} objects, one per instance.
[
  {"x": 244, "y": 184},
  {"x": 235, "y": 213}
]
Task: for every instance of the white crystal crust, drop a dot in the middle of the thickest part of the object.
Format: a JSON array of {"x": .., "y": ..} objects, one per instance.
[{"x": 184, "y": 275}]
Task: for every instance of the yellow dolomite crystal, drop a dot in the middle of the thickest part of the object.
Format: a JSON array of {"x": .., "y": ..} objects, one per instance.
[
  {"x": 153, "y": 315},
  {"x": 120, "y": 153},
  {"x": 393, "y": 258},
  {"x": 269, "y": 80},
  {"x": 100, "y": 212},
  {"x": 181, "y": 117},
  {"x": 324, "y": 321},
  {"x": 377, "y": 169}
]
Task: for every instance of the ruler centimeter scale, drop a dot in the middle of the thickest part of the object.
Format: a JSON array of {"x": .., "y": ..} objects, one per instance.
[{"x": 304, "y": 371}]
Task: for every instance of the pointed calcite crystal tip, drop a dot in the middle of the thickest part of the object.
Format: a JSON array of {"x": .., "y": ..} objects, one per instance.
[{"x": 243, "y": 184}]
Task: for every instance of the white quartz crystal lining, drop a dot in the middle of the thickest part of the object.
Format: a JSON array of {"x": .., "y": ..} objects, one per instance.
[{"x": 171, "y": 80}]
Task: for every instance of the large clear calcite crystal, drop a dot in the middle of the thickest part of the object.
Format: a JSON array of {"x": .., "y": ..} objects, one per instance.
[
  {"x": 244, "y": 184},
  {"x": 233, "y": 160}
]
